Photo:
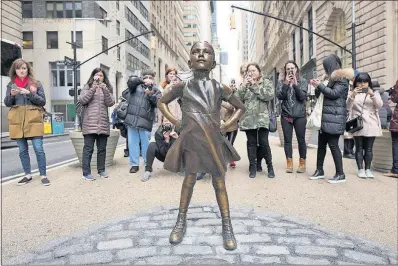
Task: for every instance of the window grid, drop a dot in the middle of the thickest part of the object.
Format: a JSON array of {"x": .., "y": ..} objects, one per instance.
[
  {"x": 64, "y": 9},
  {"x": 79, "y": 39},
  {"x": 27, "y": 11},
  {"x": 104, "y": 15},
  {"x": 118, "y": 27},
  {"x": 52, "y": 39},
  {"x": 104, "y": 44},
  {"x": 27, "y": 39}
]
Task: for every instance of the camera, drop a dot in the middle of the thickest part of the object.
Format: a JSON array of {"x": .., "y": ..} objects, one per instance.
[{"x": 167, "y": 127}]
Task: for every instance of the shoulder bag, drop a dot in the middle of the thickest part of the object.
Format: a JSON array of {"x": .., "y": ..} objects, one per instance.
[
  {"x": 272, "y": 127},
  {"x": 355, "y": 124}
]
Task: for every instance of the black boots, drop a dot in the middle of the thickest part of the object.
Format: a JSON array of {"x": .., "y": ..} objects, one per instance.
[
  {"x": 349, "y": 149},
  {"x": 268, "y": 159},
  {"x": 252, "y": 154}
]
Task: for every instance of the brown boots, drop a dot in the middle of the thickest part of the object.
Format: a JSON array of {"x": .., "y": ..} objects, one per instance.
[
  {"x": 300, "y": 169},
  {"x": 289, "y": 165}
]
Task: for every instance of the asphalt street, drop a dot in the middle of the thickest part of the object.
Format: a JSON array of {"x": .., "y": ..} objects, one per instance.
[{"x": 58, "y": 150}]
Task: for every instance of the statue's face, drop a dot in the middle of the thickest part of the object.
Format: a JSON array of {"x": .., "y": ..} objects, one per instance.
[{"x": 202, "y": 57}]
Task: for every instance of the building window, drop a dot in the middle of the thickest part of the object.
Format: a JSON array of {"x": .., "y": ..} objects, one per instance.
[
  {"x": 27, "y": 39},
  {"x": 117, "y": 4},
  {"x": 27, "y": 11},
  {"x": 189, "y": 34},
  {"x": 104, "y": 44},
  {"x": 190, "y": 17},
  {"x": 301, "y": 45},
  {"x": 118, "y": 27},
  {"x": 62, "y": 75},
  {"x": 131, "y": 18},
  {"x": 52, "y": 39},
  {"x": 143, "y": 11},
  {"x": 118, "y": 53},
  {"x": 64, "y": 9},
  {"x": 79, "y": 39},
  {"x": 294, "y": 45},
  {"x": 310, "y": 35},
  {"x": 143, "y": 29},
  {"x": 104, "y": 15},
  {"x": 132, "y": 62},
  {"x": 144, "y": 66},
  {"x": 190, "y": 25}
]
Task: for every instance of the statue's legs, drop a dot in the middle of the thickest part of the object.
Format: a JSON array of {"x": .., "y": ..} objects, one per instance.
[
  {"x": 178, "y": 232},
  {"x": 222, "y": 200}
]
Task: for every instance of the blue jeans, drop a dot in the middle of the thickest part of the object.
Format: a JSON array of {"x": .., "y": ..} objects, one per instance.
[
  {"x": 37, "y": 143},
  {"x": 135, "y": 136}
]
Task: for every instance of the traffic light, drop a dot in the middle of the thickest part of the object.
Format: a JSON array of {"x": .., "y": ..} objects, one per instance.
[{"x": 232, "y": 24}]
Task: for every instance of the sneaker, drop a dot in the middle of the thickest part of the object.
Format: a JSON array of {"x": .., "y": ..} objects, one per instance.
[
  {"x": 369, "y": 173},
  {"x": 25, "y": 180},
  {"x": 126, "y": 153},
  {"x": 134, "y": 169},
  {"x": 89, "y": 177},
  {"x": 337, "y": 179},
  {"x": 146, "y": 176},
  {"x": 45, "y": 181},
  {"x": 103, "y": 174},
  {"x": 232, "y": 164},
  {"x": 319, "y": 174},
  {"x": 362, "y": 174}
]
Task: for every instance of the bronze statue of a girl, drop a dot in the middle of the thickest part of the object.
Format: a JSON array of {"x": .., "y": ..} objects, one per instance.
[{"x": 201, "y": 147}]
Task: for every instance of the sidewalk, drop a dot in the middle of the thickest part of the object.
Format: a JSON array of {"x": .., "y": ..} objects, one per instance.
[{"x": 275, "y": 220}]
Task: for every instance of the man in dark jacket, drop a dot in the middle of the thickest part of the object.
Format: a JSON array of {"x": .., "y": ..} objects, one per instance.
[
  {"x": 165, "y": 136},
  {"x": 142, "y": 96}
]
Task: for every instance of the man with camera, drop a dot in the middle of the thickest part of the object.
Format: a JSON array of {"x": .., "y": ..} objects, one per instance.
[
  {"x": 165, "y": 136},
  {"x": 141, "y": 96}
]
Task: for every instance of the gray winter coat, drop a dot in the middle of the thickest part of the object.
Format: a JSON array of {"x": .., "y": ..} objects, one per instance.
[{"x": 96, "y": 117}]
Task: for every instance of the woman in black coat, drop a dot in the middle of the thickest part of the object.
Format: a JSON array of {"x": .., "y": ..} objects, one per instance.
[{"x": 334, "y": 115}]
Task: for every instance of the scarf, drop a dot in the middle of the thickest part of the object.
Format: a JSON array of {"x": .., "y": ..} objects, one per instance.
[{"x": 21, "y": 83}]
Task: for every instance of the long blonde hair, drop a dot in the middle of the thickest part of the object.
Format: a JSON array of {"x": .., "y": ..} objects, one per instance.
[{"x": 18, "y": 63}]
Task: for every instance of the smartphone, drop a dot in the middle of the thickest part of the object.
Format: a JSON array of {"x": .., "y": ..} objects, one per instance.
[{"x": 365, "y": 90}]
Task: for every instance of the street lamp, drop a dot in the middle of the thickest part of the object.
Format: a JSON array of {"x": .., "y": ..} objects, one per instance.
[{"x": 75, "y": 66}]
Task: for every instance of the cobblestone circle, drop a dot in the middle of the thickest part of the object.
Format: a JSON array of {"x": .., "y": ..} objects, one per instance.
[{"x": 263, "y": 238}]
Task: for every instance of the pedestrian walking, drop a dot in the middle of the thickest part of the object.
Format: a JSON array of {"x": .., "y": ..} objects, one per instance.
[
  {"x": 364, "y": 102},
  {"x": 96, "y": 97},
  {"x": 142, "y": 96},
  {"x": 394, "y": 132},
  {"x": 26, "y": 99},
  {"x": 256, "y": 92},
  {"x": 292, "y": 91},
  {"x": 334, "y": 115}
]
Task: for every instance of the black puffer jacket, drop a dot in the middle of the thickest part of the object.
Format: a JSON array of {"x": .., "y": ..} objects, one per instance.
[
  {"x": 293, "y": 98},
  {"x": 334, "y": 113},
  {"x": 141, "y": 107}
]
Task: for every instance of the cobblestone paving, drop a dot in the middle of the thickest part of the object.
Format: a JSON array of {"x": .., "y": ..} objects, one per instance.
[{"x": 262, "y": 237}]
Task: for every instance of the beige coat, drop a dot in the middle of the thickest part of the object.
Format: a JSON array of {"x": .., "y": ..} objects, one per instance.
[
  {"x": 174, "y": 107},
  {"x": 227, "y": 111},
  {"x": 370, "y": 115},
  {"x": 96, "y": 117}
]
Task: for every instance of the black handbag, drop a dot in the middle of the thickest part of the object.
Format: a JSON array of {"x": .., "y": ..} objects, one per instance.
[
  {"x": 355, "y": 124},
  {"x": 121, "y": 110},
  {"x": 272, "y": 127}
]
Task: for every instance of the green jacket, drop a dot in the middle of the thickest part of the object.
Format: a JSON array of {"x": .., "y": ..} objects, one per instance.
[{"x": 256, "y": 99}]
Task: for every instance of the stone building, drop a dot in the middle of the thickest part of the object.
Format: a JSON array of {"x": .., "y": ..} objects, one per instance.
[{"x": 376, "y": 40}]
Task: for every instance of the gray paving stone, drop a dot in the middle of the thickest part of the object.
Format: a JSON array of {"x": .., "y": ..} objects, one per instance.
[
  {"x": 262, "y": 260},
  {"x": 143, "y": 225},
  {"x": 241, "y": 249},
  {"x": 252, "y": 238},
  {"x": 170, "y": 260},
  {"x": 125, "y": 262},
  {"x": 140, "y": 262},
  {"x": 279, "y": 224},
  {"x": 142, "y": 219},
  {"x": 205, "y": 222},
  {"x": 45, "y": 256},
  {"x": 134, "y": 253},
  {"x": 210, "y": 240},
  {"x": 66, "y": 250},
  {"x": 145, "y": 241},
  {"x": 121, "y": 234},
  {"x": 194, "y": 230},
  {"x": 392, "y": 259},
  {"x": 160, "y": 233},
  {"x": 165, "y": 251},
  {"x": 235, "y": 214},
  {"x": 163, "y": 242},
  {"x": 339, "y": 262},
  {"x": 217, "y": 259},
  {"x": 192, "y": 250},
  {"x": 315, "y": 250},
  {"x": 270, "y": 230},
  {"x": 201, "y": 215},
  {"x": 306, "y": 261},
  {"x": 265, "y": 215},
  {"x": 238, "y": 229},
  {"x": 246, "y": 222},
  {"x": 294, "y": 240},
  {"x": 50, "y": 262},
  {"x": 303, "y": 232},
  {"x": 164, "y": 217},
  {"x": 117, "y": 227},
  {"x": 272, "y": 250},
  {"x": 207, "y": 209},
  {"x": 296, "y": 220},
  {"x": 335, "y": 243},
  {"x": 115, "y": 244},
  {"x": 363, "y": 257},
  {"x": 91, "y": 258}
]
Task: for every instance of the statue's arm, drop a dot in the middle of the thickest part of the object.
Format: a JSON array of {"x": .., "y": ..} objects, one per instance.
[{"x": 230, "y": 97}]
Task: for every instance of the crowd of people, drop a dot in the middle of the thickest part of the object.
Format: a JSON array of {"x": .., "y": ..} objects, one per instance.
[{"x": 348, "y": 97}]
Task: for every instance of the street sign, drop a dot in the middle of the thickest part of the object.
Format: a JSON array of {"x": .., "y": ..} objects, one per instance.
[{"x": 68, "y": 60}]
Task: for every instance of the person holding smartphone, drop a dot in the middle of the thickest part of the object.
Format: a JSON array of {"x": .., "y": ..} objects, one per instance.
[
  {"x": 97, "y": 97},
  {"x": 364, "y": 101},
  {"x": 26, "y": 99},
  {"x": 292, "y": 91}
]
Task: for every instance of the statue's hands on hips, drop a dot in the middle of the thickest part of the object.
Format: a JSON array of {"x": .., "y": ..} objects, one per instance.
[
  {"x": 178, "y": 124},
  {"x": 223, "y": 127}
]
